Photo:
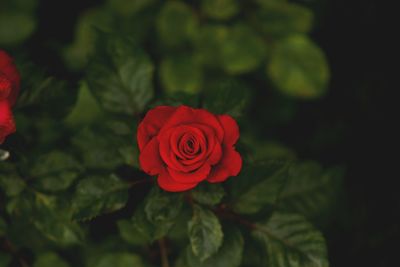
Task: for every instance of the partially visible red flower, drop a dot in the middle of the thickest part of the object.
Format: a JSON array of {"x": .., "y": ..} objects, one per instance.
[
  {"x": 9, "y": 89},
  {"x": 185, "y": 146}
]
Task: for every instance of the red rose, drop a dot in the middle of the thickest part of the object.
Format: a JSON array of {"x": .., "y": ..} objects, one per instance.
[
  {"x": 185, "y": 146},
  {"x": 9, "y": 88}
]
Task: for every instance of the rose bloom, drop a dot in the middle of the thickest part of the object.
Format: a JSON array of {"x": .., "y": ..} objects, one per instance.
[
  {"x": 185, "y": 146},
  {"x": 9, "y": 88}
]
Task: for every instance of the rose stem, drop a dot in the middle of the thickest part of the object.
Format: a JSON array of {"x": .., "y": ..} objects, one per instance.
[{"x": 164, "y": 253}]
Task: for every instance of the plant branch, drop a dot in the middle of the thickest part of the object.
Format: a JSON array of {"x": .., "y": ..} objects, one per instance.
[{"x": 163, "y": 252}]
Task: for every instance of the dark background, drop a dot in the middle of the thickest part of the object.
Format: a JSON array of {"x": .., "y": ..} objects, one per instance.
[{"x": 353, "y": 117}]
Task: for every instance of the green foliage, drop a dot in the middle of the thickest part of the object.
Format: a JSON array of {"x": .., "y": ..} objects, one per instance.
[
  {"x": 205, "y": 233},
  {"x": 230, "y": 253},
  {"x": 120, "y": 75},
  {"x": 72, "y": 192},
  {"x": 208, "y": 194},
  {"x": 258, "y": 185},
  {"x": 290, "y": 240},
  {"x": 176, "y": 23},
  {"x": 299, "y": 68},
  {"x": 181, "y": 74},
  {"x": 50, "y": 259},
  {"x": 310, "y": 190},
  {"x": 98, "y": 195},
  {"x": 55, "y": 171},
  {"x": 119, "y": 259},
  {"x": 227, "y": 97},
  {"x": 19, "y": 14}
]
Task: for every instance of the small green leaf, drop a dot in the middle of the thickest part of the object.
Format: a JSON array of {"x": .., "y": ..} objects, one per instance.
[
  {"x": 86, "y": 109},
  {"x": 119, "y": 259},
  {"x": 280, "y": 18},
  {"x": 120, "y": 75},
  {"x": 50, "y": 259},
  {"x": 10, "y": 182},
  {"x": 176, "y": 23},
  {"x": 299, "y": 68},
  {"x": 130, "y": 233},
  {"x": 220, "y": 9},
  {"x": 258, "y": 185},
  {"x": 55, "y": 171},
  {"x": 230, "y": 253},
  {"x": 242, "y": 51},
  {"x": 181, "y": 73},
  {"x": 227, "y": 97},
  {"x": 209, "y": 41},
  {"x": 97, "y": 195},
  {"x": 205, "y": 233},
  {"x": 76, "y": 54},
  {"x": 310, "y": 190},
  {"x": 290, "y": 240},
  {"x": 15, "y": 28},
  {"x": 208, "y": 194},
  {"x": 162, "y": 207},
  {"x": 98, "y": 151}
]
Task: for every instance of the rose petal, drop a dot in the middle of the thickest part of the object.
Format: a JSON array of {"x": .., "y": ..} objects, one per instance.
[
  {"x": 190, "y": 177},
  {"x": 150, "y": 159},
  {"x": 8, "y": 69},
  {"x": 5, "y": 87},
  {"x": 215, "y": 155},
  {"x": 152, "y": 123},
  {"x": 7, "y": 125},
  {"x": 230, "y": 165},
  {"x": 187, "y": 115},
  {"x": 231, "y": 129},
  {"x": 168, "y": 184}
]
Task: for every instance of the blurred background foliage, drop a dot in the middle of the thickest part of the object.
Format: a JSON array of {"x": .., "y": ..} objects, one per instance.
[{"x": 299, "y": 76}]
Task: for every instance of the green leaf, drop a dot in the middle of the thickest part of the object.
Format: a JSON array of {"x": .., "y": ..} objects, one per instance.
[
  {"x": 310, "y": 190},
  {"x": 53, "y": 221},
  {"x": 291, "y": 241},
  {"x": 258, "y": 185},
  {"x": 154, "y": 218},
  {"x": 299, "y": 68},
  {"x": 120, "y": 75},
  {"x": 176, "y": 23},
  {"x": 230, "y": 253},
  {"x": 227, "y": 97},
  {"x": 130, "y": 233},
  {"x": 10, "y": 182},
  {"x": 220, "y": 9},
  {"x": 55, "y": 171},
  {"x": 97, "y": 195},
  {"x": 119, "y": 259},
  {"x": 15, "y": 27},
  {"x": 242, "y": 51},
  {"x": 181, "y": 73},
  {"x": 50, "y": 259},
  {"x": 86, "y": 109},
  {"x": 128, "y": 7},
  {"x": 98, "y": 151},
  {"x": 162, "y": 207},
  {"x": 209, "y": 41},
  {"x": 76, "y": 54},
  {"x": 280, "y": 18},
  {"x": 43, "y": 93},
  {"x": 205, "y": 233},
  {"x": 208, "y": 194}
]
